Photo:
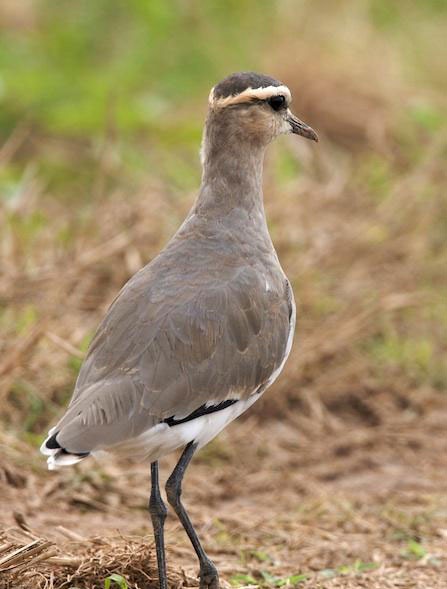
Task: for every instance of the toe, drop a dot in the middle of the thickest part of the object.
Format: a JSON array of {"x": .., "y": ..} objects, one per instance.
[
  {"x": 209, "y": 577},
  {"x": 209, "y": 582}
]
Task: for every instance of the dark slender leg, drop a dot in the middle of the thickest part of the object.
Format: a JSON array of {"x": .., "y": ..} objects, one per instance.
[
  {"x": 158, "y": 512},
  {"x": 209, "y": 578}
]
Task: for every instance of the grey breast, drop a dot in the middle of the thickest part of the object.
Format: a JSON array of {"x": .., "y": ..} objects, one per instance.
[{"x": 206, "y": 321}]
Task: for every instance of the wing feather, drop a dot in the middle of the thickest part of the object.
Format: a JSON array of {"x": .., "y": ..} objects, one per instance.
[{"x": 173, "y": 339}]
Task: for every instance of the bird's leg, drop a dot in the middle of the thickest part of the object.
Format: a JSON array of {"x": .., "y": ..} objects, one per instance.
[
  {"x": 158, "y": 512},
  {"x": 209, "y": 578}
]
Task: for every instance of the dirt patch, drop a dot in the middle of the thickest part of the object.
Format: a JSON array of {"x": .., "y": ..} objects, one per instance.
[{"x": 363, "y": 507}]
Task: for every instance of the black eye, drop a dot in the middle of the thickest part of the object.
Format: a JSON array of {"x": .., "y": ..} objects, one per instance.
[{"x": 277, "y": 102}]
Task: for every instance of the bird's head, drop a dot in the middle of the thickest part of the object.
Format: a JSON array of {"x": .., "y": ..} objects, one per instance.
[{"x": 252, "y": 108}]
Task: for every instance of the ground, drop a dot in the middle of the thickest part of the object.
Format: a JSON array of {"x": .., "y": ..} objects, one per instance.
[{"x": 337, "y": 505}]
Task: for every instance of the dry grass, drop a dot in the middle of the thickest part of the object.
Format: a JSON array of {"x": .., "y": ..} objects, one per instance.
[
  {"x": 82, "y": 563},
  {"x": 342, "y": 465}
]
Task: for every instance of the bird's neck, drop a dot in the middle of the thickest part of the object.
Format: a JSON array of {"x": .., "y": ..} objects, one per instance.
[{"x": 232, "y": 176}]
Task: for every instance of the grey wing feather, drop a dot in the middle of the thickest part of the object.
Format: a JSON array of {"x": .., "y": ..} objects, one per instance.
[{"x": 172, "y": 342}]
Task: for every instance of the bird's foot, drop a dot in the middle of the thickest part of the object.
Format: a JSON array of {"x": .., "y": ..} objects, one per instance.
[{"x": 209, "y": 577}]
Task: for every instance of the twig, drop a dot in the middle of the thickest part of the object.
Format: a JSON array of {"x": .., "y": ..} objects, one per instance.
[
  {"x": 15, "y": 558},
  {"x": 20, "y": 349},
  {"x": 13, "y": 143},
  {"x": 65, "y": 345}
]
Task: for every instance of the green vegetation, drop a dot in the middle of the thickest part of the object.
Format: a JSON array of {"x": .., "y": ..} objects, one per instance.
[
  {"x": 268, "y": 580},
  {"x": 265, "y": 579},
  {"x": 115, "y": 580},
  {"x": 414, "y": 550},
  {"x": 77, "y": 75}
]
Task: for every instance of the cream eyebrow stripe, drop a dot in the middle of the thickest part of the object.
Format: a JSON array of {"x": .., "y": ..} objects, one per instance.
[{"x": 249, "y": 94}]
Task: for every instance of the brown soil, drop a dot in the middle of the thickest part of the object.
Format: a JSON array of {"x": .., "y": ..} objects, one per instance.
[{"x": 351, "y": 505}]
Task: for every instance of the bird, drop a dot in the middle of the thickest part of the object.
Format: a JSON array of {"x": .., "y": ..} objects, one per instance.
[{"x": 197, "y": 335}]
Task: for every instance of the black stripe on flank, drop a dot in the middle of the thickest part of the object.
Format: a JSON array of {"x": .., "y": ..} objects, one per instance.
[
  {"x": 80, "y": 454},
  {"x": 203, "y": 410}
]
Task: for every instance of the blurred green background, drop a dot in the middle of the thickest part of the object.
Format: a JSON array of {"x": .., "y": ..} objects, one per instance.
[{"x": 78, "y": 74}]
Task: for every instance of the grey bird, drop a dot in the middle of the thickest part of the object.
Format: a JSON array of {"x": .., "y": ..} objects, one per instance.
[{"x": 196, "y": 336}]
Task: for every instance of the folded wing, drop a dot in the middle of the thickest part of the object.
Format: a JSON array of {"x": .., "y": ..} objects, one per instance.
[{"x": 171, "y": 344}]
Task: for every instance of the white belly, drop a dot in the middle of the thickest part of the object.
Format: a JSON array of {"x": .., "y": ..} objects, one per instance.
[{"x": 163, "y": 439}]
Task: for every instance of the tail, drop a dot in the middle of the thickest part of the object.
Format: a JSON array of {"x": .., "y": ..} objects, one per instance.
[{"x": 57, "y": 455}]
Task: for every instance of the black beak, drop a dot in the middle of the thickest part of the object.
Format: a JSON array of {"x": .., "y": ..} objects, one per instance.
[{"x": 300, "y": 128}]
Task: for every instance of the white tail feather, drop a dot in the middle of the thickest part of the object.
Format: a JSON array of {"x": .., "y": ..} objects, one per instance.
[{"x": 60, "y": 459}]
